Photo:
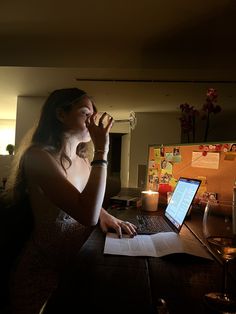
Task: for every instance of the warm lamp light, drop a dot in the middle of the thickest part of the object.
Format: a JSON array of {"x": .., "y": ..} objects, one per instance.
[{"x": 7, "y": 136}]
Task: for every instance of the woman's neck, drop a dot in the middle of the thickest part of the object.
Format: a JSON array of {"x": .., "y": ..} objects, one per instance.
[{"x": 71, "y": 144}]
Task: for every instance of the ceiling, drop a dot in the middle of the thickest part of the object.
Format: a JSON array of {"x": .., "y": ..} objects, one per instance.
[{"x": 147, "y": 55}]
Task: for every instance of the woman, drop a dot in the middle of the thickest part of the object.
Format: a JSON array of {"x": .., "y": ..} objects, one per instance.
[
  {"x": 233, "y": 148},
  {"x": 65, "y": 193}
]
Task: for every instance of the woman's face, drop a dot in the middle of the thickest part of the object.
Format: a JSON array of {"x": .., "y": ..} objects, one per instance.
[
  {"x": 74, "y": 120},
  {"x": 233, "y": 148}
]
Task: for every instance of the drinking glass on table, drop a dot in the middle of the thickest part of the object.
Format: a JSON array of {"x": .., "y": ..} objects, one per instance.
[{"x": 219, "y": 230}]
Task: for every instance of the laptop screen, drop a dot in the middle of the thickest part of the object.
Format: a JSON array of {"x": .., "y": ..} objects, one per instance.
[{"x": 181, "y": 200}]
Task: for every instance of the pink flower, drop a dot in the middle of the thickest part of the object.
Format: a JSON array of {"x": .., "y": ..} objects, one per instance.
[
  {"x": 187, "y": 119},
  {"x": 209, "y": 107},
  {"x": 212, "y": 94}
]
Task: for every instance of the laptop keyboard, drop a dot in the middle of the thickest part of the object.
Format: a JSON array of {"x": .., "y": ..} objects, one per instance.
[{"x": 152, "y": 224}]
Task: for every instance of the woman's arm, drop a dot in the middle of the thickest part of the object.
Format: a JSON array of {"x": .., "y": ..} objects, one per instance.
[
  {"x": 108, "y": 221},
  {"x": 42, "y": 169}
]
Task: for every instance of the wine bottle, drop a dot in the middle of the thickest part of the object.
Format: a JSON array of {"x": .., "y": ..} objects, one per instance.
[{"x": 234, "y": 208}]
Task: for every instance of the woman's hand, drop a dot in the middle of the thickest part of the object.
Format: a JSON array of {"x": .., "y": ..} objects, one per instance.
[
  {"x": 99, "y": 132},
  {"x": 108, "y": 221}
]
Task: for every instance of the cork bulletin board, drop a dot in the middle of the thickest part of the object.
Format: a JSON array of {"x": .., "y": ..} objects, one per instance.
[{"x": 213, "y": 163}]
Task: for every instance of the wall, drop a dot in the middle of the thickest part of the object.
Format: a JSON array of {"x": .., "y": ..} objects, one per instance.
[
  {"x": 152, "y": 128},
  {"x": 222, "y": 128},
  {"x": 27, "y": 113},
  {"x": 125, "y": 157},
  {"x": 7, "y": 134}
]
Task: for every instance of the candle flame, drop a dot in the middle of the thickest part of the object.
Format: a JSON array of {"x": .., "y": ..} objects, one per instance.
[{"x": 149, "y": 192}]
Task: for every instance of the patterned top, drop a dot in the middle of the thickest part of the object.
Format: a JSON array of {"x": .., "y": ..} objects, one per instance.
[{"x": 53, "y": 246}]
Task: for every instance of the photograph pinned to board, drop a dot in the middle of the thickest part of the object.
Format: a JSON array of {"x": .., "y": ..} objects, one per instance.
[
  {"x": 174, "y": 156},
  {"x": 231, "y": 154}
]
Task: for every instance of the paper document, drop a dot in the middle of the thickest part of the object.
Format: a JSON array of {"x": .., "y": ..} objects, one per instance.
[
  {"x": 209, "y": 161},
  {"x": 156, "y": 245}
]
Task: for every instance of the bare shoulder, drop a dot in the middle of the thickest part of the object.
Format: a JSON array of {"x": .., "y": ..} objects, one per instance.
[
  {"x": 36, "y": 156},
  {"x": 37, "y": 153}
]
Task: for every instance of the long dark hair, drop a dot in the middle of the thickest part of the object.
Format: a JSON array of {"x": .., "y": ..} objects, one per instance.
[
  {"x": 48, "y": 134},
  {"x": 50, "y": 130}
]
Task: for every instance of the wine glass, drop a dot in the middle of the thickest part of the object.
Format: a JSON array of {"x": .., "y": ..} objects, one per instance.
[{"x": 219, "y": 230}]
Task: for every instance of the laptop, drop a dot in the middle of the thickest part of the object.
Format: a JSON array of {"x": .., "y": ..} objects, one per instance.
[{"x": 175, "y": 212}]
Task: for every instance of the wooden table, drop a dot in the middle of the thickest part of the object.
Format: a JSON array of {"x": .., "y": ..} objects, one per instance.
[{"x": 124, "y": 284}]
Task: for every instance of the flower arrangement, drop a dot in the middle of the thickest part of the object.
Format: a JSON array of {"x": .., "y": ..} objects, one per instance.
[
  {"x": 189, "y": 115},
  {"x": 188, "y": 120},
  {"x": 210, "y": 107}
]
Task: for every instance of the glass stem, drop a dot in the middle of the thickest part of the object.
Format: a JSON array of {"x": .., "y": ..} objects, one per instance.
[{"x": 225, "y": 277}]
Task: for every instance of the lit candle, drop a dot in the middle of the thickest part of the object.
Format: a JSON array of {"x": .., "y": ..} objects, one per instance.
[{"x": 150, "y": 200}]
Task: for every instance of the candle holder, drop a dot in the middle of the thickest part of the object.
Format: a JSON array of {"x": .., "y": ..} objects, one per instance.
[{"x": 149, "y": 200}]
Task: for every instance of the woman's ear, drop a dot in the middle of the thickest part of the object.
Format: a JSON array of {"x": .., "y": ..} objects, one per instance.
[{"x": 60, "y": 114}]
